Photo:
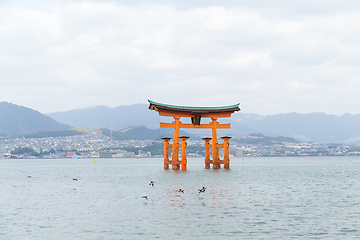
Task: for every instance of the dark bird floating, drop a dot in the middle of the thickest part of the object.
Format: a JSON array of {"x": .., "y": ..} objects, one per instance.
[
  {"x": 152, "y": 183},
  {"x": 202, "y": 190},
  {"x": 74, "y": 179},
  {"x": 181, "y": 190},
  {"x": 146, "y": 197}
]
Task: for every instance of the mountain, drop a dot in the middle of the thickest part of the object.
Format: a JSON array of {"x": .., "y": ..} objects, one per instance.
[
  {"x": 17, "y": 120},
  {"x": 312, "y": 127}
]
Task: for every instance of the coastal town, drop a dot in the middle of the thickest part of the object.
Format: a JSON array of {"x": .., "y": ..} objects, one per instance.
[{"x": 94, "y": 145}]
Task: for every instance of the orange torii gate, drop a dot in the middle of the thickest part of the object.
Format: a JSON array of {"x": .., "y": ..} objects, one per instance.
[{"x": 196, "y": 114}]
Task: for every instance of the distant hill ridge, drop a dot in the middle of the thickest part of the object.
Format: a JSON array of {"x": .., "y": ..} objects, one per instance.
[
  {"x": 312, "y": 127},
  {"x": 16, "y": 119}
]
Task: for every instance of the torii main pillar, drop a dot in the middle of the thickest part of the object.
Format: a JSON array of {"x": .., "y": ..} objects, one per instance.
[{"x": 196, "y": 114}]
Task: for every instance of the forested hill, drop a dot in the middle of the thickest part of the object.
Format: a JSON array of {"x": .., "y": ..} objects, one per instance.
[{"x": 16, "y": 119}]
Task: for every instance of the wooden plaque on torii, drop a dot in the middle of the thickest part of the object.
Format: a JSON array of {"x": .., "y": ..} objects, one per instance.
[{"x": 196, "y": 114}]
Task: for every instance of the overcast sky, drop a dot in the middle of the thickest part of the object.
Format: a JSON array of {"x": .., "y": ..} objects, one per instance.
[{"x": 269, "y": 56}]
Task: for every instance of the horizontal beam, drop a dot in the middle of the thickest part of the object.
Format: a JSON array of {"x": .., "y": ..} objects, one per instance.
[
  {"x": 189, "y": 125},
  {"x": 219, "y": 161},
  {"x": 179, "y": 162},
  {"x": 170, "y": 162}
]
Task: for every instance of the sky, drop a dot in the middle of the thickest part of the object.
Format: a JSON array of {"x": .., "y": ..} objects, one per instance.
[{"x": 272, "y": 57}]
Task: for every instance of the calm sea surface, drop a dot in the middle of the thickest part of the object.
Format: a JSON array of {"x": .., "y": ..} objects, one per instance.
[{"x": 258, "y": 198}]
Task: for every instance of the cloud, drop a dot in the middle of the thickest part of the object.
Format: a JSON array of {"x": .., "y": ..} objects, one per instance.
[{"x": 272, "y": 58}]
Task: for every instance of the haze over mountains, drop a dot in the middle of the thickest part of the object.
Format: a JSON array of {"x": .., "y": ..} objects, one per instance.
[
  {"x": 111, "y": 118},
  {"x": 313, "y": 127}
]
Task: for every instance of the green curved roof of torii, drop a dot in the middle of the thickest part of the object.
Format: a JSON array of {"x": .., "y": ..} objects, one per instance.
[{"x": 230, "y": 108}]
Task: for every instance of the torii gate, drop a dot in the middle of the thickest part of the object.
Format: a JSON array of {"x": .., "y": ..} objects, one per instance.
[{"x": 196, "y": 114}]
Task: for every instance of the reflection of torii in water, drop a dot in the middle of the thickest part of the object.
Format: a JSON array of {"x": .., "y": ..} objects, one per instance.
[{"x": 196, "y": 114}]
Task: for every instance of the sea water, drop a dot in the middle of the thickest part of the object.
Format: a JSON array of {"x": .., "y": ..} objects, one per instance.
[{"x": 258, "y": 198}]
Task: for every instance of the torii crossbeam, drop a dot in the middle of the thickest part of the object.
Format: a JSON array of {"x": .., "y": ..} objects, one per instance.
[{"x": 196, "y": 114}]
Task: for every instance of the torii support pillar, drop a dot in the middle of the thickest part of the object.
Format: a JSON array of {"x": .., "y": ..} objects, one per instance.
[
  {"x": 175, "y": 145},
  {"x": 207, "y": 152},
  {"x": 214, "y": 145},
  {"x": 226, "y": 152},
  {"x": 225, "y": 145},
  {"x": 166, "y": 152},
  {"x": 175, "y": 164},
  {"x": 183, "y": 152}
]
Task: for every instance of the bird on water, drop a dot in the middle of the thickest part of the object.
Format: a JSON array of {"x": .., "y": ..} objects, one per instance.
[
  {"x": 74, "y": 179},
  {"x": 152, "y": 183},
  {"x": 181, "y": 190},
  {"x": 202, "y": 190},
  {"x": 146, "y": 197}
]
